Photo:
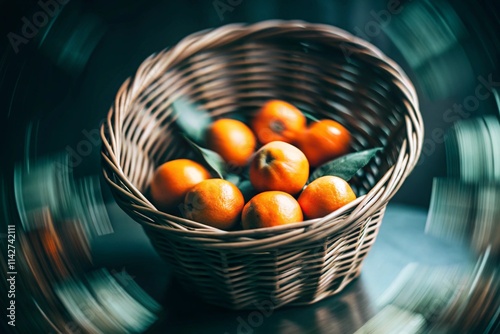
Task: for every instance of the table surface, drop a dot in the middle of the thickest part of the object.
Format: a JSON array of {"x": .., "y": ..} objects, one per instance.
[{"x": 401, "y": 241}]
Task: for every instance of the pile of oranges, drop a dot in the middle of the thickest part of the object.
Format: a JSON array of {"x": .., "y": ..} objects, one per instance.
[{"x": 276, "y": 153}]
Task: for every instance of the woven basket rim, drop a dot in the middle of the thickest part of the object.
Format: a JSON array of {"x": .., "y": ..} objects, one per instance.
[{"x": 365, "y": 205}]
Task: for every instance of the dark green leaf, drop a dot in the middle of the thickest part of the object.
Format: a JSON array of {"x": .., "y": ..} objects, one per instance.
[
  {"x": 247, "y": 190},
  {"x": 245, "y": 173},
  {"x": 192, "y": 120},
  {"x": 346, "y": 166},
  {"x": 310, "y": 117},
  {"x": 233, "y": 178},
  {"x": 212, "y": 159},
  {"x": 305, "y": 110}
]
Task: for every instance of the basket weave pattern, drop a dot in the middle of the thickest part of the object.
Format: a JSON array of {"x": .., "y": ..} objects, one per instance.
[{"x": 232, "y": 71}]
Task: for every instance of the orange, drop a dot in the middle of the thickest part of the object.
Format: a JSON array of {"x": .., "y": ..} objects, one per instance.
[
  {"x": 271, "y": 208},
  {"x": 278, "y": 120},
  {"x": 214, "y": 202},
  {"x": 325, "y": 195},
  {"x": 279, "y": 166},
  {"x": 173, "y": 179},
  {"x": 232, "y": 139},
  {"x": 323, "y": 141}
]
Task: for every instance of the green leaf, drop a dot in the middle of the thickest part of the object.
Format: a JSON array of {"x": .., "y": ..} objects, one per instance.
[
  {"x": 212, "y": 159},
  {"x": 192, "y": 120},
  {"x": 308, "y": 114},
  {"x": 243, "y": 172},
  {"x": 346, "y": 166},
  {"x": 247, "y": 190},
  {"x": 233, "y": 178},
  {"x": 310, "y": 117}
]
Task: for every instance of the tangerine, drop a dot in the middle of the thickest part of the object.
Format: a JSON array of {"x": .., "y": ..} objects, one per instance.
[
  {"x": 279, "y": 166},
  {"x": 323, "y": 141},
  {"x": 325, "y": 195},
  {"x": 173, "y": 179},
  {"x": 278, "y": 120},
  {"x": 232, "y": 139},
  {"x": 214, "y": 202},
  {"x": 271, "y": 208}
]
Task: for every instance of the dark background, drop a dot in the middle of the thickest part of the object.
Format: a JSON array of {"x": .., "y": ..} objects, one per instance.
[
  {"x": 57, "y": 85},
  {"x": 63, "y": 80}
]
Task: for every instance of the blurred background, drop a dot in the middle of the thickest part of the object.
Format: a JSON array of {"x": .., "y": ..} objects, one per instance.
[
  {"x": 61, "y": 64},
  {"x": 65, "y": 73}
]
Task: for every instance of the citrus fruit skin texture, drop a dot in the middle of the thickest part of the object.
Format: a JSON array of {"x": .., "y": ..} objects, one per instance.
[
  {"x": 214, "y": 202},
  {"x": 173, "y": 179},
  {"x": 278, "y": 120},
  {"x": 323, "y": 141},
  {"x": 325, "y": 195},
  {"x": 271, "y": 208},
  {"x": 232, "y": 139},
  {"x": 279, "y": 166}
]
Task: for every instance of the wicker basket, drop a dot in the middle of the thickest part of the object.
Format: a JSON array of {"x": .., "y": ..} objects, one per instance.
[{"x": 235, "y": 69}]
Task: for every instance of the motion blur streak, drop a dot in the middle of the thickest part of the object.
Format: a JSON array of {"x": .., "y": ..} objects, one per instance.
[
  {"x": 72, "y": 40},
  {"x": 435, "y": 39},
  {"x": 49, "y": 184},
  {"x": 99, "y": 303},
  {"x": 66, "y": 74},
  {"x": 62, "y": 291},
  {"x": 461, "y": 299},
  {"x": 464, "y": 208}
]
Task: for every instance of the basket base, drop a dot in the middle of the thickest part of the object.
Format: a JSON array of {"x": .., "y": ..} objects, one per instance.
[{"x": 272, "y": 302}]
